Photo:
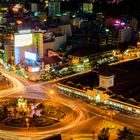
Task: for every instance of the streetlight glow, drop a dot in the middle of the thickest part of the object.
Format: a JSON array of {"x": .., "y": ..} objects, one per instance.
[{"x": 51, "y": 91}]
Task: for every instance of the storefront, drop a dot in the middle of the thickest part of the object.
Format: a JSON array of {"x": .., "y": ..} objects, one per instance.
[{"x": 99, "y": 96}]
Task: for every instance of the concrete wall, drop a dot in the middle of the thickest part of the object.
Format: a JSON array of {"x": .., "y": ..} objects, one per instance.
[
  {"x": 66, "y": 29},
  {"x": 60, "y": 40},
  {"x": 48, "y": 45}
]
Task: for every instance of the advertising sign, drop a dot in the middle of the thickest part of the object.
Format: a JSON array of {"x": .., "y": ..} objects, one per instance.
[
  {"x": 22, "y": 40},
  {"x": 30, "y": 56}
]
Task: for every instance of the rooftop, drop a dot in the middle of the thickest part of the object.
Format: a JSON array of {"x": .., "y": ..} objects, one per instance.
[
  {"x": 127, "y": 80},
  {"x": 51, "y": 60},
  {"x": 88, "y": 80},
  {"x": 82, "y": 52},
  {"x": 104, "y": 70},
  {"x": 126, "y": 83}
]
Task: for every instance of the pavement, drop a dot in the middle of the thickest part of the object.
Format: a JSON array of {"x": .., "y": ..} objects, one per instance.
[{"x": 82, "y": 126}]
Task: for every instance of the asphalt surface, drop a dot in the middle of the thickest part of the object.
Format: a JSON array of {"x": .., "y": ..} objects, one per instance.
[{"x": 82, "y": 119}]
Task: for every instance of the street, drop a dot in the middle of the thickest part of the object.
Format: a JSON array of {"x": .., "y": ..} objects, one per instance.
[{"x": 82, "y": 119}]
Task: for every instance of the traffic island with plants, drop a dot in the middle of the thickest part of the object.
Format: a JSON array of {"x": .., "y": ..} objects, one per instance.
[{"x": 24, "y": 113}]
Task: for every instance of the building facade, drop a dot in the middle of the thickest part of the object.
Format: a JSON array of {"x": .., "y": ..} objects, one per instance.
[{"x": 53, "y": 8}]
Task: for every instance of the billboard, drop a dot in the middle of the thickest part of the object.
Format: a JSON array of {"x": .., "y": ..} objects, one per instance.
[
  {"x": 22, "y": 40},
  {"x": 30, "y": 56}
]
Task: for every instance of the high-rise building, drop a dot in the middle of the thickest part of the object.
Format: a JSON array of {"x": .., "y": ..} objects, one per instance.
[
  {"x": 109, "y": 37},
  {"x": 53, "y": 7},
  {"x": 125, "y": 34},
  {"x": 115, "y": 32},
  {"x": 114, "y": 36}
]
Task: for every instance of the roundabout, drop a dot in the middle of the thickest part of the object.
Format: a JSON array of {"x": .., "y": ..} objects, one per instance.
[
  {"x": 60, "y": 115},
  {"x": 41, "y": 113},
  {"x": 36, "y": 118},
  {"x": 30, "y": 112}
]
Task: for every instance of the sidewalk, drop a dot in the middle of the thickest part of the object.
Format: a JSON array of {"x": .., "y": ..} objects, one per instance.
[
  {"x": 59, "y": 79},
  {"x": 123, "y": 61}
]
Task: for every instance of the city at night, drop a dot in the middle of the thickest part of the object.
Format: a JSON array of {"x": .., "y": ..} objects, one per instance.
[{"x": 69, "y": 70}]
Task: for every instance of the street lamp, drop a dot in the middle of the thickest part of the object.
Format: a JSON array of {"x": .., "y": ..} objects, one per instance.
[
  {"x": 111, "y": 114},
  {"x": 51, "y": 91},
  {"x": 27, "y": 123},
  {"x": 73, "y": 110}
]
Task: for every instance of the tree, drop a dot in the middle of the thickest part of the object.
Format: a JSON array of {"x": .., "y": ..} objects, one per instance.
[
  {"x": 41, "y": 106},
  {"x": 13, "y": 102},
  {"x": 5, "y": 110},
  {"x": 125, "y": 134},
  {"x": 104, "y": 134}
]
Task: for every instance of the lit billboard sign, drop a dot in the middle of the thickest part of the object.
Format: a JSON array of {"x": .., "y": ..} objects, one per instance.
[
  {"x": 30, "y": 56},
  {"x": 22, "y": 40},
  {"x": 119, "y": 23}
]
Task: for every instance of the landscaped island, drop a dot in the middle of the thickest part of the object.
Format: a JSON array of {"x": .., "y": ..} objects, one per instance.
[{"x": 25, "y": 113}]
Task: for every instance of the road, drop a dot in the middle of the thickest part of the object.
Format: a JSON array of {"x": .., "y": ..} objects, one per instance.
[
  {"x": 81, "y": 119},
  {"x": 99, "y": 118}
]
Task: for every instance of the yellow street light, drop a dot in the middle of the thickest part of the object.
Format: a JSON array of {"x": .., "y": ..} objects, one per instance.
[
  {"x": 51, "y": 91},
  {"x": 26, "y": 120},
  {"x": 27, "y": 123},
  {"x": 108, "y": 113},
  {"x": 111, "y": 114}
]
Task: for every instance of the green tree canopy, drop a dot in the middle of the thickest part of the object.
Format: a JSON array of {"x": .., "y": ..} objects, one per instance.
[
  {"x": 104, "y": 134},
  {"x": 125, "y": 134}
]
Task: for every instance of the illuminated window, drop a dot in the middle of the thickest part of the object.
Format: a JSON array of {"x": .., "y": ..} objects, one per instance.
[
  {"x": 122, "y": 106},
  {"x": 114, "y": 104},
  {"x": 137, "y": 111},
  {"x": 97, "y": 98},
  {"x": 104, "y": 102},
  {"x": 110, "y": 103},
  {"x": 129, "y": 108}
]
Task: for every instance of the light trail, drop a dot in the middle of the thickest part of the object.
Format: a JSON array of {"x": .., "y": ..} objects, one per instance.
[
  {"x": 17, "y": 87},
  {"x": 78, "y": 113}
]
